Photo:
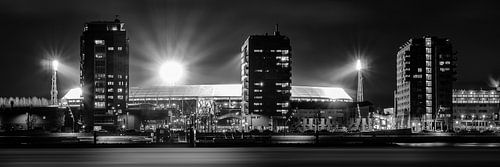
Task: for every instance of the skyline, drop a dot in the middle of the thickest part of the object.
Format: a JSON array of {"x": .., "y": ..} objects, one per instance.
[{"x": 209, "y": 40}]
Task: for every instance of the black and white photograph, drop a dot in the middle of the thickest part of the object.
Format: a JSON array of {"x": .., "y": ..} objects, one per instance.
[{"x": 212, "y": 83}]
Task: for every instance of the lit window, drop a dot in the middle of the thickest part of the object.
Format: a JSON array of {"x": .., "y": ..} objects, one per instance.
[
  {"x": 258, "y": 50},
  {"x": 283, "y": 58},
  {"x": 99, "y": 55},
  {"x": 110, "y": 83},
  {"x": 259, "y": 70},
  {"x": 110, "y": 97},
  {"x": 114, "y": 28},
  {"x": 110, "y": 90},
  {"x": 119, "y": 48},
  {"x": 428, "y": 50},
  {"x": 120, "y": 97},
  {"x": 100, "y": 104},
  {"x": 282, "y": 104},
  {"x": 111, "y": 48},
  {"x": 283, "y": 65},
  {"x": 119, "y": 90},
  {"x": 257, "y": 90},
  {"x": 110, "y": 76},
  {"x": 257, "y": 104},
  {"x": 99, "y": 90},
  {"x": 284, "y": 84},
  {"x": 99, "y": 42},
  {"x": 259, "y": 84},
  {"x": 99, "y": 97}
]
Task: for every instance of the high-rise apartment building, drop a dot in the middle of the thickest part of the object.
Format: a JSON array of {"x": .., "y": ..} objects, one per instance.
[
  {"x": 424, "y": 82},
  {"x": 266, "y": 77},
  {"x": 104, "y": 73}
]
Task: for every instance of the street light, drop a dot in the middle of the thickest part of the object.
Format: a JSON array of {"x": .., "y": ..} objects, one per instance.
[
  {"x": 171, "y": 72},
  {"x": 359, "y": 66},
  {"x": 53, "y": 90},
  {"x": 55, "y": 64},
  {"x": 359, "y": 93}
]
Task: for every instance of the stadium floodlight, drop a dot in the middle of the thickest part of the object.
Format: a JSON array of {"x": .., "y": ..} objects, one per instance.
[
  {"x": 171, "y": 72},
  {"x": 55, "y": 64},
  {"x": 359, "y": 66}
]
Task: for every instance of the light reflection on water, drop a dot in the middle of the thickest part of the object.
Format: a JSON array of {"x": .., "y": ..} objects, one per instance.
[
  {"x": 254, "y": 156},
  {"x": 442, "y": 144}
]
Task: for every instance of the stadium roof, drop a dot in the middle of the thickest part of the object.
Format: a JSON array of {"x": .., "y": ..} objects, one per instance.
[{"x": 223, "y": 90}]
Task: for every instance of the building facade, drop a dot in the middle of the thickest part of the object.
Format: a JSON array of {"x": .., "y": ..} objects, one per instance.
[
  {"x": 476, "y": 110},
  {"x": 104, "y": 72},
  {"x": 266, "y": 76},
  {"x": 425, "y": 72},
  {"x": 217, "y": 108}
]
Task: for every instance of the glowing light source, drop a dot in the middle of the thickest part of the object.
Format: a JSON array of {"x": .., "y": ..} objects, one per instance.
[
  {"x": 359, "y": 66},
  {"x": 55, "y": 63},
  {"x": 171, "y": 72}
]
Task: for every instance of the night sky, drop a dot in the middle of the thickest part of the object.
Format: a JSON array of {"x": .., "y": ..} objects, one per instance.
[{"x": 207, "y": 36}]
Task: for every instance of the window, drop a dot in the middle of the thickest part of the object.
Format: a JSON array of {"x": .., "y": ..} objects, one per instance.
[
  {"x": 120, "y": 97},
  {"x": 283, "y": 104},
  {"x": 428, "y": 42},
  {"x": 257, "y": 97},
  {"x": 99, "y": 42},
  {"x": 257, "y": 90},
  {"x": 259, "y": 70},
  {"x": 258, "y": 83},
  {"x": 110, "y": 97},
  {"x": 110, "y": 76},
  {"x": 110, "y": 83},
  {"x": 119, "y": 90},
  {"x": 283, "y": 65},
  {"x": 282, "y": 84},
  {"x": 419, "y": 69},
  {"x": 283, "y": 91},
  {"x": 119, "y": 48},
  {"x": 257, "y": 104},
  {"x": 100, "y": 55},
  {"x": 111, "y": 48},
  {"x": 282, "y": 111},
  {"x": 258, "y": 50},
  {"x": 100, "y": 104},
  {"x": 283, "y": 58},
  {"x": 99, "y": 97},
  {"x": 99, "y": 90},
  {"x": 110, "y": 90}
]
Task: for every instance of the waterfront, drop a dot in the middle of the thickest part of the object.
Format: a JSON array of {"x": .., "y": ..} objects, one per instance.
[{"x": 275, "y": 156}]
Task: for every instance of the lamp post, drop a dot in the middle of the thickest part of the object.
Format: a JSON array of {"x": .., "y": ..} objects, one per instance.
[
  {"x": 53, "y": 90},
  {"x": 359, "y": 93}
]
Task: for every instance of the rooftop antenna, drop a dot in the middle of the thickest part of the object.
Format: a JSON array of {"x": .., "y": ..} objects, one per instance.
[
  {"x": 276, "y": 30},
  {"x": 116, "y": 18}
]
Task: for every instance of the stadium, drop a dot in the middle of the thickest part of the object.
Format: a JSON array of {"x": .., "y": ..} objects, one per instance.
[{"x": 217, "y": 107}]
